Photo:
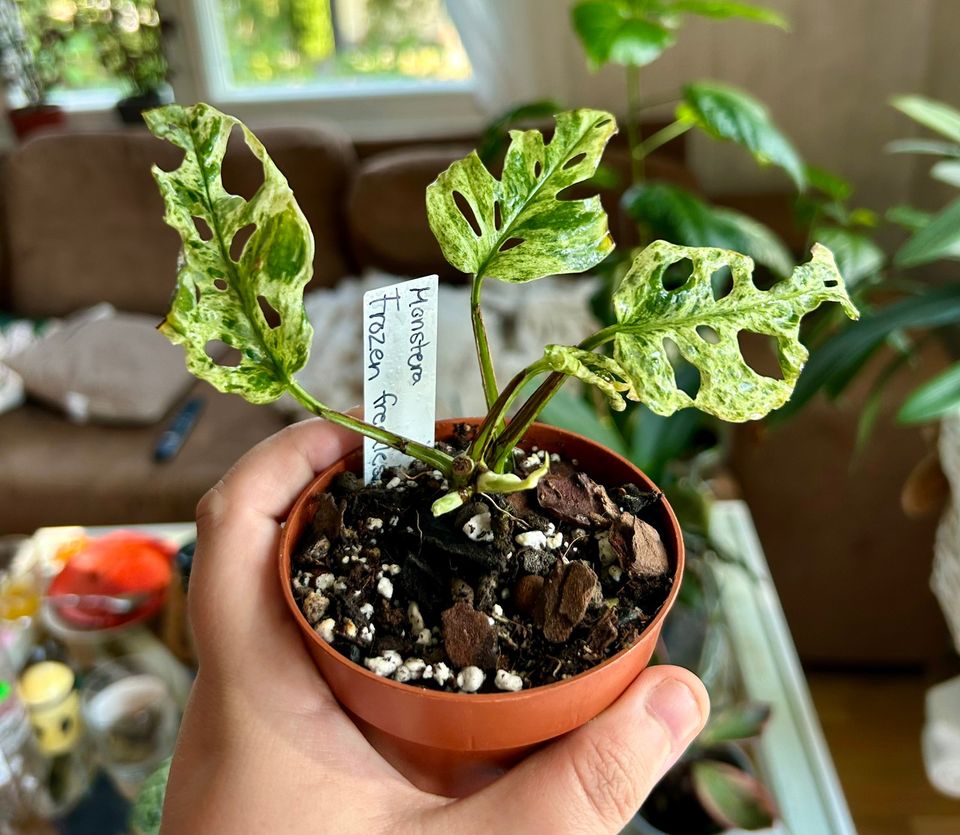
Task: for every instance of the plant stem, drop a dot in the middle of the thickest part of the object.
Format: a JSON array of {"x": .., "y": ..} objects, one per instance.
[
  {"x": 538, "y": 400},
  {"x": 427, "y": 454},
  {"x": 634, "y": 135},
  {"x": 663, "y": 136},
  {"x": 487, "y": 373},
  {"x": 494, "y": 419}
]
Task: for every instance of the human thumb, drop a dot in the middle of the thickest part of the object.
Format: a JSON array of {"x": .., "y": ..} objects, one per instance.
[{"x": 595, "y": 779}]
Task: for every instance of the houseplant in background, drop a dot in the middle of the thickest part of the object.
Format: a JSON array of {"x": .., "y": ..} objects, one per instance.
[
  {"x": 31, "y": 52},
  {"x": 477, "y": 497},
  {"x": 129, "y": 35}
]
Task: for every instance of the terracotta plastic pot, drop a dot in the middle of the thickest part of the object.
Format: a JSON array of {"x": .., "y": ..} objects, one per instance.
[
  {"x": 28, "y": 120},
  {"x": 453, "y": 743}
]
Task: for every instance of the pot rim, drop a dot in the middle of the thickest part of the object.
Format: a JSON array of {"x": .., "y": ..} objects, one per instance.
[{"x": 286, "y": 554}]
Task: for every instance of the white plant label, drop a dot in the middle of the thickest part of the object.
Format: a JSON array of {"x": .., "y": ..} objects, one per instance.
[{"x": 399, "y": 367}]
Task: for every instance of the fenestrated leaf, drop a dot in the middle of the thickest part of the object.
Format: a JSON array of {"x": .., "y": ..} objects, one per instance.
[
  {"x": 940, "y": 238},
  {"x": 649, "y": 314},
  {"x": 674, "y": 214},
  {"x": 737, "y": 722},
  {"x": 930, "y": 113},
  {"x": 933, "y": 399},
  {"x": 725, "y": 9},
  {"x": 857, "y": 256},
  {"x": 217, "y": 297},
  {"x": 594, "y": 369},
  {"x": 526, "y": 231},
  {"x": 620, "y": 32},
  {"x": 733, "y": 798},
  {"x": 725, "y": 112}
]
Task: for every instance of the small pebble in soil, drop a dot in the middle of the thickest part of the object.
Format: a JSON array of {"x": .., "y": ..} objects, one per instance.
[
  {"x": 384, "y": 665},
  {"x": 470, "y": 679},
  {"x": 315, "y": 606},
  {"x": 531, "y": 539},
  {"x": 385, "y": 587},
  {"x": 510, "y": 682},
  {"x": 326, "y": 629}
]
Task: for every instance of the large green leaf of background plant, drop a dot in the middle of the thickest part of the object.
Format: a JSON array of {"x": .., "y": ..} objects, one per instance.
[
  {"x": 218, "y": 296},
  {"x": 858, "y": 257},
  {"x": 933, "y": 399},
  {"x": 526, "y": 230},
  {"x": 674, "y": 214},
  {"x": 930, "y": 113},
  {"x": 704, "y": 329},
  {"x": 725, "y": 112},
  {"x": 621, "y": 32},
  {"x": 733, "y": 798},
  {"x": 940, "y": 238},
  {"x": 725, "y": 9}
]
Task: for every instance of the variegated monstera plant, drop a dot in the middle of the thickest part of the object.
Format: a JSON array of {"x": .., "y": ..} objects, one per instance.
[{"x": 518, "y": 228}]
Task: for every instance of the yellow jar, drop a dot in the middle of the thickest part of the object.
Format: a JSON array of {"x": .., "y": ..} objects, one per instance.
[{"x": 47, "y": 689}]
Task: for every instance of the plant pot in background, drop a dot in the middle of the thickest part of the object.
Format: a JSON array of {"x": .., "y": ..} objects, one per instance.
[
  {"x": 131, "y": 109},
  {"x": 453, "y": 743},
  {"x": 28, "y": 120}
]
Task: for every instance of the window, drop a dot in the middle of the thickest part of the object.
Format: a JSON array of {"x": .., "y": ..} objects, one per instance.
[{"x": 330, "y": 46}]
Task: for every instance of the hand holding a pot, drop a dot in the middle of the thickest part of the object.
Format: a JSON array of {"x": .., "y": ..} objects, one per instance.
[{"x": 264, "y": 747}]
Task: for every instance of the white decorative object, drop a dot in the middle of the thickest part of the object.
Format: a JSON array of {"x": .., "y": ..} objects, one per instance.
[{"x": 945, "y": 580}]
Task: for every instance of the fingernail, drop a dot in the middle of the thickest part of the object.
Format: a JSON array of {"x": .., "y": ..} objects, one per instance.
[{"x": 672, "y": 702}]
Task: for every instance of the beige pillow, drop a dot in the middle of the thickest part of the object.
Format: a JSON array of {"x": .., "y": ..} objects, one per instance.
[{"x": 107, "y": 367}]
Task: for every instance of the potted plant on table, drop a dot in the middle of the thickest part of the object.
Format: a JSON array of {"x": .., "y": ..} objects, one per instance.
[
  {"x": 509, "y": 583},
  {"x": 31, "y": 52}
]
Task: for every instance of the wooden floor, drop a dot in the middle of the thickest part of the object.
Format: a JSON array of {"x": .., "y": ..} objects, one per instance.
[{"x": 872, "y": 724}]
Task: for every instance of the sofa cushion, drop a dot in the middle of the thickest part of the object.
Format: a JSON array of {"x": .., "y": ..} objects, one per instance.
[
  {"x": 55, "y": 473},
  {"x": 85, "y": 220},
  {"x": 387, "y": 211}
]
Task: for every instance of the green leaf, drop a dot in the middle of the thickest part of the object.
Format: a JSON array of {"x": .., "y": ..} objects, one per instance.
[
  {"x": 832, "y": 185},
  {"x": 932, "y": 114},
  {"x": 619, "y": 32},
  {"x": 858, "y": 257},
  {"x": 947, "y": 171},
  {"x": 839, "y": 358},
  {"x": 674, "y": 214},
  {"x": 934, "y": 147},
  {"x": 724, "y": 112},
  {"x": 723, "y": 9},
  {"x": 525, "y": 230},
  {"x": 658, "y": 441},
  {"x": 593, "y": 369},
  {"x": 733, "y": 798},
  {"x": 649, "y": 315},
  {"x": 218, "y": 297},
  {"x": 940, "y": 238},
  {"x": 909, "y": 217},
  {"x": 933, "y": 399},
  {"x": 737, "y": 722}
]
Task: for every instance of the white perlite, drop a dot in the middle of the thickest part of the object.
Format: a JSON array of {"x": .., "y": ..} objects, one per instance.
[
  {"x": 325, "y": 629},
  {"x": 391, "y": 568},
  {"x": 384, "y": 665},
  {"x": 410, "y": 670},
  {"x": 366, "y": 633},
  {"x": 325, "y": 581},
  {"x": 367, "y": 610},
  {"x": 374, "y": 523},
  {"x": 424, "y": 637},
  {"x": 497, "y": 610},
  {"x": 385, "y": 587},
  {"x": 478, "y": 527},
  {"x": 349, "y": 628},
  {"x": 415, "y": 618},
  {"x": 532, "y": 539},
  {"x": 615, "y": 573},
  {"x": 554, "y": 540},
  {"x": 439, "y": 672},
  {"x": 470, "y": 679},
  {"x": 510, "y": 682}
]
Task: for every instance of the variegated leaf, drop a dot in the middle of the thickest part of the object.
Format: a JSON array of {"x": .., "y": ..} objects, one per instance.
[
  {"x": 524, "y": 229},
  {"x": 704, "y": 329},
  {"x": 594, "y": 369},
  {"x": 222, "y": 298}
]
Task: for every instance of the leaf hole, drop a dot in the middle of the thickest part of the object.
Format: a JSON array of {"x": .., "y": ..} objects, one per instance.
[
  {"x": 220, "y": 284},
  {"x": 708, "y": 334},
  {"x": 203, "y": 229},
  {"x": 464, "y": 207},
  {"x": 509, "y": 244},
  {"x": 222, "y": 354},
  {"x": 677, "y": 275},
  {"x": 831, "y": 282},
  {"x": 721, "y": 282},
  {"x": 497, "y": 217},
  {"x": 242, "y": 172},
  {"x": 270, "y": 313},
  {"x": 573, "y": 162},
  {"x": 537, "y": 169},
  {"x": 240, "y": 239},
  {"x": 687, "y": 376},
  {"x": 603, "y": 123},
  {"x": 761, "y": 352}
]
